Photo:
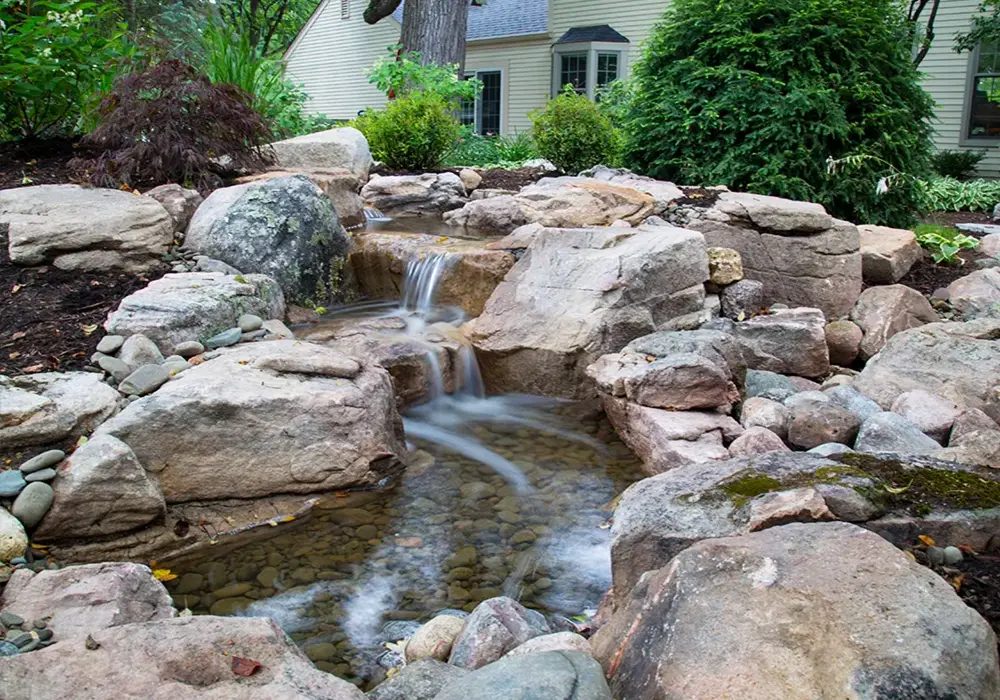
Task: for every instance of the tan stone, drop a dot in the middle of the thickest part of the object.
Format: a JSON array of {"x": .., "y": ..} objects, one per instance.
[
  {"x": 756, "y": 441},
  {"x": 843, "y": 338},
  {"x": 470, "y": 178},
  {"x": 803, "y": 505},
  {"x": 882, "y": 312},
  {"x": 724, "y": 266},
  {"x": 887, "y": 254},
  {"x": 557, "y": 641},
  {"x": 976, "y": 293},
  {"x": 434, "y": 638}
]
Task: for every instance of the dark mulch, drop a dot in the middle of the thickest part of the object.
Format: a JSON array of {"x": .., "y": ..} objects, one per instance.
[
  {"x": 927, "y": 277},
  {"x": 36, "y": 163},
  {"x": 496, "y": 178},
  {"x": 697, "y": 197},
  {"x": 51, "y": 319},
  {"x": 950, "y": 218}
]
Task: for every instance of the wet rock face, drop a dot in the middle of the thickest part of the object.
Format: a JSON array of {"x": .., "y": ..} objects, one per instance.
[
  {"x": 800, "y": 253},
  {"x": 578, "y": 294},
  {"x": 838, "y": 606},
  {"x": 284, "y": 227},
  {"x": 298, "y": 429}
]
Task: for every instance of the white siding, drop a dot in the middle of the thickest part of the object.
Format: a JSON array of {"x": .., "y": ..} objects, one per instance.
[
  {"x": 526, "y": 66},
  {"x": 946, "y": 79},
  {"x": 331, "y": 55}
]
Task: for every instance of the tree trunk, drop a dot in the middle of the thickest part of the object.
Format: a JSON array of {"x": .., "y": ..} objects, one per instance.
[{"x": 436, "y": 28}]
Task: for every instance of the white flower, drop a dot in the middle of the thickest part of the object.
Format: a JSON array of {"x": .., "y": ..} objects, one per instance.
[{"x": 883, "y": 186}]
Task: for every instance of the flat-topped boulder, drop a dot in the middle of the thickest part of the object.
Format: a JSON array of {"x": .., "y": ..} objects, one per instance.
[
  {"x": 577, "y": 294},
  {"x": 467, "y": 280},
  {"x": 957, "y": 361},
  {"x": 802, "y": 255},
  {"x": 428, "y": 194},
  {"x": 558, "y": 202},
  {"x": 887, "y": 254},
  {"x": 787, "y": 341},
  {"x": 804, "y": 610},
  {"x": 283, "y": 227},
  {"x": 39, "y": 409},
  {"x": 663, "y": 193},
  {"x": 242, "y": 425},
  {"x": 194, "y": 306},
  {"x": 344, "y": 147},
  {"x": 80, "y": 228},
  {"x": 977, "y": 294}
]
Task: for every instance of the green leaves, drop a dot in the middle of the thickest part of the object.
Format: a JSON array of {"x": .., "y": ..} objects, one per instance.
[
  {"x": 943, "y": 243},
  {"x": 413, "y": 132},
  {"x": 573, "y": 133},
  {"x": 401, "y": 73},
  {"x": 949, "y": 194}
]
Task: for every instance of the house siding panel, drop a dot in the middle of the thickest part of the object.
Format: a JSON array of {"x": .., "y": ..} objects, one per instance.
[{"x": 526, "y": 65}]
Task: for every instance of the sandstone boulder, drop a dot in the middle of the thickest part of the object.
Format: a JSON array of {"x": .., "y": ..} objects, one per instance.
[
  {"x": 882, "y": 312},
  {"x": 468, "y": 279},
  {"x": 192, "y": 306},
  {"x": 82, "y": 600},
  {"x": 759, "y": 412},
  {"x": 557, "y": 202},
  {"x": 179, "y": 202},
  {"x": 794, "y": 612},
  {"x": 283, "y": 227},
  {"x": 977, "y": 294},
  {"x": 756, "y": 441},
  {"x": 887, "y": 254},
  {"x": 429, "y": 194},
  {"x": 295, "y": 431},
  {"x": 789, "y": 341},
  {"x": 663, "y": 193},
  {"x": 100, "y": 490},
  {"x": 38, "y": 409},
  {"x": 78, "y": 228},
  {"x": 434, "y": 638},
  {"x": 580, "y": 294},
  {"x": 957, "y": 361},
  {"x": 343, "y": 147},
  {"x": 844, "y": 338},
  {"x": 800, "y": 253},
  {"x": 168, "y": 659}
]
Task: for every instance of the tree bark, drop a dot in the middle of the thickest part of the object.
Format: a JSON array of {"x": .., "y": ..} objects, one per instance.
[
  {"x": 436, "y": 28},
  {"x": 379, "y": 9}
]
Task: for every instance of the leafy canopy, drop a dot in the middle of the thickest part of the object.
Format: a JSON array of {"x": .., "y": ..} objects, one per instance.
[
  {"x": 401, "y": 73},
  {"x": 758, "y": 94}
]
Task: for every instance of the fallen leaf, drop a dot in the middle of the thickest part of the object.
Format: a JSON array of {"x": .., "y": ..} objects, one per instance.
[
  {"x": 909, "y": 554},
  {"x": 13, "y": 356},
  {"x": 34, "y": 368},
  {"x": 17, "y": 335},
  {"x": 196, "y": 360},
  {"x": 245, "y": 667},
  {"x": 409, "y": 542},
  {"x": 82, "y": 441},
  {"x": 163, "y": 575},
  {"x": 897, "y": 489},
  {"x": 87, "y": 330},
  {"x": 927, "y": 540},
  {"x": 16, "y": 288},
  {"x": 957, "y": 582}
]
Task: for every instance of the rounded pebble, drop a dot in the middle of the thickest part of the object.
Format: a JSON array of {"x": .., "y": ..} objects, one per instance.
[{"x": 42, "y": 461}]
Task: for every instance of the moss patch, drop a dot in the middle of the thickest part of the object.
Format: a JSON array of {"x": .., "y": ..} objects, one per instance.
[{"x": 747, "y": 484}]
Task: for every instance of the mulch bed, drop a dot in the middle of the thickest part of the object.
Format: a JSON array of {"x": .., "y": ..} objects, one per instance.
[
  {"x": 976, "y": 579},
  {"x": 38, "y": 163},
  {"x": 927, "y": 277},
  {"x": 51, "y": 319}
]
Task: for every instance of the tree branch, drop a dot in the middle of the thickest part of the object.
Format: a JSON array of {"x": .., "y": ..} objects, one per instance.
[{"x": 379, "y": 9}]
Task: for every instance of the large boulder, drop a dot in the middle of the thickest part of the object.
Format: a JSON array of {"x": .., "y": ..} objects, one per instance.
[
  {"x": 180, "y": 202},
  {"x": 552, "y": 675},
  {"x": 83, "y": 600},
  {"x": 800, "y": 611},
  {"x": 422, "y": 680},
  {"x": 558, "y": 202},
  {"x": 577, "y": 294},
  {"x": 787, "y": 341},
  {"x": 803, "y": 256},
  {"x": 39, "y": 409},
  {"x": 213, "y": 658},
  {"x": 887, "y": 254},
  {"x": 344, "y": 147},
  {"x": 663, "y": 193},
  {"x": 429, "y": 194},
  {"x": 77, "y": 228},
  {"x": 882, "y": 312},
  {"x": 495, "y": 627},
  {"x": 265, "y": 418},
  {"x": 341, "y": 186},
  {"x": 194, "y": 306},
  {"x": 100, "y": 490},
  {"x": 467, "y": 279},
  {"x": 680, "y": 381},
  {"x": 976, "y": 294},
  {"x": 957, "y": 361},
  {"x": 284, "y": 227}
]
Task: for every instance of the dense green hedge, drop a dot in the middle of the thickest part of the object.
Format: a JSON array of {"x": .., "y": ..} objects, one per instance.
[{"x": 759, "y": 94}]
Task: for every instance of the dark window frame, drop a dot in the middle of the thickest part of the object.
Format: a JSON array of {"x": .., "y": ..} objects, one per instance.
[{"x": 970, "y": 102}]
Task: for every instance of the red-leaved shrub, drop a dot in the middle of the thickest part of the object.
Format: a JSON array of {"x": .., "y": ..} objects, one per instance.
[{"x": 170, "y": 123}]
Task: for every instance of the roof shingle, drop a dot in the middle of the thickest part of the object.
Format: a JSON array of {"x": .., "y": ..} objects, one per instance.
[{"x": 502, "y": 18}]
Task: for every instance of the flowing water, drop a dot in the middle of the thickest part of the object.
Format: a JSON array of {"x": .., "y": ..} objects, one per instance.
[{"x": 512, "y": 498}]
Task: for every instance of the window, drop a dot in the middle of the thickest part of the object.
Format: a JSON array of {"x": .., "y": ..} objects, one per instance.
[
  {"x": 484, "y": 113},
  {"x": 345, "y": 9},
  {"x": 573, "y": 71},
  {"x": 984, "y": 106},
  {"x": 607, "y": 68}
]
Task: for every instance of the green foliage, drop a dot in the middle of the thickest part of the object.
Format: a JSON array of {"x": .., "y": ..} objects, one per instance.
[
  {"x": 413, "y": 132},
  {"x": 943, "y": 242},
  {"x": 233, "y": 58},
  {"x": 956, "y": 164},
  {"x": 491, "y": 151},
  {"x": 985, "y": 27},
  {"x": 949, "y": 194},
  {"x": 53, "y": 54},
  {"x": 573, "y": 133},
  {"x": 758, "y": 94},
  {"x": 401, "y": 73},
  {"x": 615, "y": 99}
]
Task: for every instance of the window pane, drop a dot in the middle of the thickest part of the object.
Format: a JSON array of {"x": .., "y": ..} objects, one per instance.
[
  {"x": 489, "y": 120},
  {"x": 467, "y": 108},
  {"x": 573, "y": 71},
  {"x": 607, "y": 68},
  {"x": 988, "y": 58},
  {"x": 984, "y": 120}
]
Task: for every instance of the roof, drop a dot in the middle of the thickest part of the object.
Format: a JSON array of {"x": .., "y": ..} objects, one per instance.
[
  {"x": 597, "y": 32},
  {"x": 497, "y": 19}
]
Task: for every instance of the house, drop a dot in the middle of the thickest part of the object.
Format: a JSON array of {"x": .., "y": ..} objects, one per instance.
[{"x": 524, "y": 50}]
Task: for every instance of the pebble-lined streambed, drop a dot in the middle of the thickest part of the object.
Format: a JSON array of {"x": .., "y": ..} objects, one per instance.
[{"x": 450, "y": 534}]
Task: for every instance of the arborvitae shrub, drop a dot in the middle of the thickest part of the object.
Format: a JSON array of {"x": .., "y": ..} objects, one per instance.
[
  {"x": 758, "y": 94},
  {"x": 413, "y": 132},
  {"x": 170, "y": 123},
  {"x": 573, "y": 133}
]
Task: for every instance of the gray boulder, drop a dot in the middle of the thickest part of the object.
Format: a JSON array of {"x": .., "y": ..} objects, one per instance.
[
  {"x": 882, "y": 312},
  {"x": 194, "y": 306},
  {"x": 343, "y": 147},
  {"x": 422, "y": 680},
  {"x": 815, "y": 423},
  {"x": 38, "y": 409},
  {"x": 977, "y": 294},
  {"x": 282, "y": 227},
  {"x": 929, "y": 412},
  {"x": 495, "y": 627},
  {"x": 849, "y": 398},
  {"x": 791, "y": 341},
  {"x": 769, "y": 385},
  {"x": 795, "y": 612},
  {"x": 138, "y": 350},
  {"x": 551, "y": 675},
  {"x": 741, "y": 300},
  {"x": 717, "y": 346},
  {"x": 429, "y": 194},
  {"x": 890, "y": 432},
  {"x": 78, "y": 228},
  {"x": 759, "y": 412}
]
